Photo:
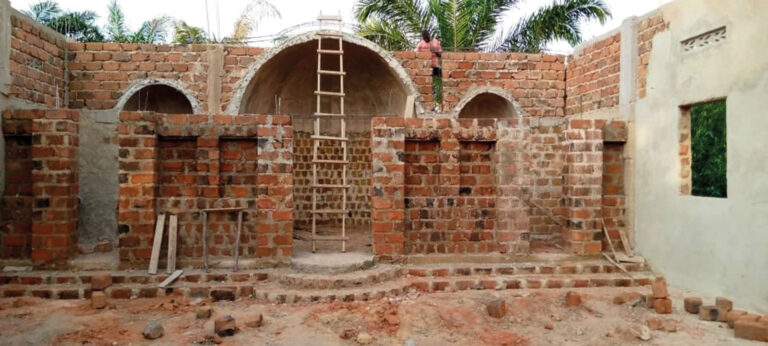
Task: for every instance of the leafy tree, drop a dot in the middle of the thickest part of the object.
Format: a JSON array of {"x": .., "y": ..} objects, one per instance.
[
  {"x": 249, "y": 19},
  {"x": 184, "y": 33},
  {"x": 709, "y": 150},
  {"x": 77, "y": 25},
  {"x": 151, "y": 31},
  {"x": 474, "y": 24}
]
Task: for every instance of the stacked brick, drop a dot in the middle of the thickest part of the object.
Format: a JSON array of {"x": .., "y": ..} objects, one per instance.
[
  {"x": 44, "y": 145},
  {"x": 582, "y": 176},
  {"x": 547, "y": 190},
  {"x": 535, "y": 81},
  {"x": 614, "y": 198},
  {"x": 237, "y": 59},
  {"x": 593, "y": 77},
  {"x": 100, "y": 73},
  {"x": 647, "y": 28},
  {"x": 359, "y": 177},
  {"x": 37, "y": 62},
  {"x": 180, "y": 164},
  {"x": 455, "y": 184}
]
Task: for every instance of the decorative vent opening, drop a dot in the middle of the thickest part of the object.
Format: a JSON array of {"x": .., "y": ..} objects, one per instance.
[{"x": 704, "y": 40}]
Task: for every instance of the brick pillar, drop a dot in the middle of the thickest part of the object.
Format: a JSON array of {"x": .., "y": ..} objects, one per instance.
[
  {"x": 137, "y": 161},
  {"x": 583, "y": 151},
  {"x": 447, "y": 224},
  {"x": 514, "y": 179},
  {"x": 387, "y": 145},
  {"x": 275, "y": 186},
  {"x": 55, "y": 186}
]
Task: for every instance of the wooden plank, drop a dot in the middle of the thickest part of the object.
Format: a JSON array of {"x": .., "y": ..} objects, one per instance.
[
  {"x": 409, "y": 102},
  {"x": 172, "y": 234},
  {"x": 237, "y": 240},
  {"x": 205, "y": 241},
  {"x": 212, "y": 210},
  {"x": 625, "y": 243},
  {"x": 170, "y": 278},
  {"x": 617, "y": 265},
  {"x": 157, "y": 243},
  {"x": 608, "y": 239}
]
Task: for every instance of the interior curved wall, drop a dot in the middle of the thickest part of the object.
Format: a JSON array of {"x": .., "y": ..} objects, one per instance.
[
  {"x": 285, "y": 84},
  {"x": 290, "y": 79},
  {"x": 159, "y": 98},
  {"x": 487, "y": 105}
]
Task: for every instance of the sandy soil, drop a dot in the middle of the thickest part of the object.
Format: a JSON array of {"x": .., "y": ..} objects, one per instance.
[{"x": 457, "y": 318}]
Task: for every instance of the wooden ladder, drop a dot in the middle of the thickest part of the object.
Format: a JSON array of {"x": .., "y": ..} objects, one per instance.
[{"x": 318, "y": 137}]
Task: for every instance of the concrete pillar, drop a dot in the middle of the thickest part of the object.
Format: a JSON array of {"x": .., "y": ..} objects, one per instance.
[
  {"x": 5, "y": 75},
  {"x": 628, "y": 68},
  {"x": 215, "y": 73},
  {"x": 628, "y": 65}
]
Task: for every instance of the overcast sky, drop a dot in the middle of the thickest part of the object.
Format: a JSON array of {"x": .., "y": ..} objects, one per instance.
[{"x": 224, "y": 12}]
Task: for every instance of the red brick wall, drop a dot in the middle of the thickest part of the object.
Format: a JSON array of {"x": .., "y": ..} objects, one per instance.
[
  {"x": 101, "y": 72},
  {"x": 614, "y": 199},
  {"x": 182, "y": 163},
  {"x": 359, "y": 177},
  {"x": 457, "y": 184},
  {"x": 547, "y": 192},
  {"x": 39, "y": 207},
  {"x": 18, "y": 198},
  {"x": 425, "y": 219},
  {"x": 236, "y": 62},
  {"x": 582, "y": 146},
  {"x": 593, "y": 77},
  {"x": 535, "y": 81},
  {"x": 646, "y": 30},
  {"x": 36, "y": 62}
]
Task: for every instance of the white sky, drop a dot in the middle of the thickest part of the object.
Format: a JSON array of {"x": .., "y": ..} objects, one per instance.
[{"x": 300, "y": 11}]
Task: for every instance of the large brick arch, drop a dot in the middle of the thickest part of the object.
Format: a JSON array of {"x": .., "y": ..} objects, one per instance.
[
  {"x": 143, "y": 83},
  {"x": 245, "y": 87}
]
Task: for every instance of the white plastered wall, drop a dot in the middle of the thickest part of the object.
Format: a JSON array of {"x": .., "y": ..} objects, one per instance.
[{"x": 711, "y": 245}]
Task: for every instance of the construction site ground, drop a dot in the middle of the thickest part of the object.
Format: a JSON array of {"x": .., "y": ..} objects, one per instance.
[{"x": 458, "y": 318}]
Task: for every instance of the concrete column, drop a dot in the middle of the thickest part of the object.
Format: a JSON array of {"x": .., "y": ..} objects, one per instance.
[
  {"x": 5, "y": 75},
  {"x": 628, "y": 65},
  {"x": 215, "y": 72},
  {"x": 628, "y": 68}
]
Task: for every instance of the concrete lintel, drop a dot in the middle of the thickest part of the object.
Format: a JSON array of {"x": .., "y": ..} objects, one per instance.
[{"x": 628, "y": 65}]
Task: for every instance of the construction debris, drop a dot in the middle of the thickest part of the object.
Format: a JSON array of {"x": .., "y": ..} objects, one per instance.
[
  {"x": 255, "y": 321},
  {"x": 100, "y": 282},
  {"x": 692, "y": 304},
  {"x": 364, "y": 338},
  {"x": 225, "y": 326},
  {"x": 640, "y": 331},
  {"x": 497, "y": 308},
  {"x": 204, "y": 312},
  {"x": 572, "y": 299},
  {"x": 98, "y": 300},
  {"x": 153, "y": 330}
]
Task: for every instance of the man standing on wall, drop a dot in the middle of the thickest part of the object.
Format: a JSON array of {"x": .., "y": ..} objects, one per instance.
[{"x": 429, "y": 44}]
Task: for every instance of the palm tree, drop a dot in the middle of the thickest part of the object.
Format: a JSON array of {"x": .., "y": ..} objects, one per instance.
[
  {"x": 77, "y": 25},
  {"x": 473, "y": 24},
  {"x": 184, "y": 33},
  {"x": 151, "y": 31},
  {"x": 248, "y": 21}
]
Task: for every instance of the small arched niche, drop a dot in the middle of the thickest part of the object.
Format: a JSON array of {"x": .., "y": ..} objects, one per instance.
[
  {"x": 159, "y": 98},
  {"x": 487, "y": 105}
]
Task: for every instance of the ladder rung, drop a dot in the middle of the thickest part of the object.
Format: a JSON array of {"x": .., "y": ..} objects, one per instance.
[
  {"x": 329, "y": 93},
  {"x": 329, "y": 17},
  {"x": 330, "y": 161},
  {"x": 331, "y": 186},
  {"x": 329, "y": 238},
  {"x": 331, "y": 138},
  {"x": 320, "y": 114},
  {"x": 329, "y": 211},
  {"x": 330, "y": 34},
  {"x": 336, "y": 73},
  {"x": 328, "y": 51}
]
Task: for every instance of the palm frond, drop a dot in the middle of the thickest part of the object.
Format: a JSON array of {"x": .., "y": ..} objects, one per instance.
[
  {"x": 43, "y": 11},
  {"x": 184, "y": 33},
  {"x": 386, "y": 35},
  {"x": 249, "y": 19},
  {"x": 559, "y": 21},
  {"x": 116, "y": 28},
  {"x": 151, "y": 31}
]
